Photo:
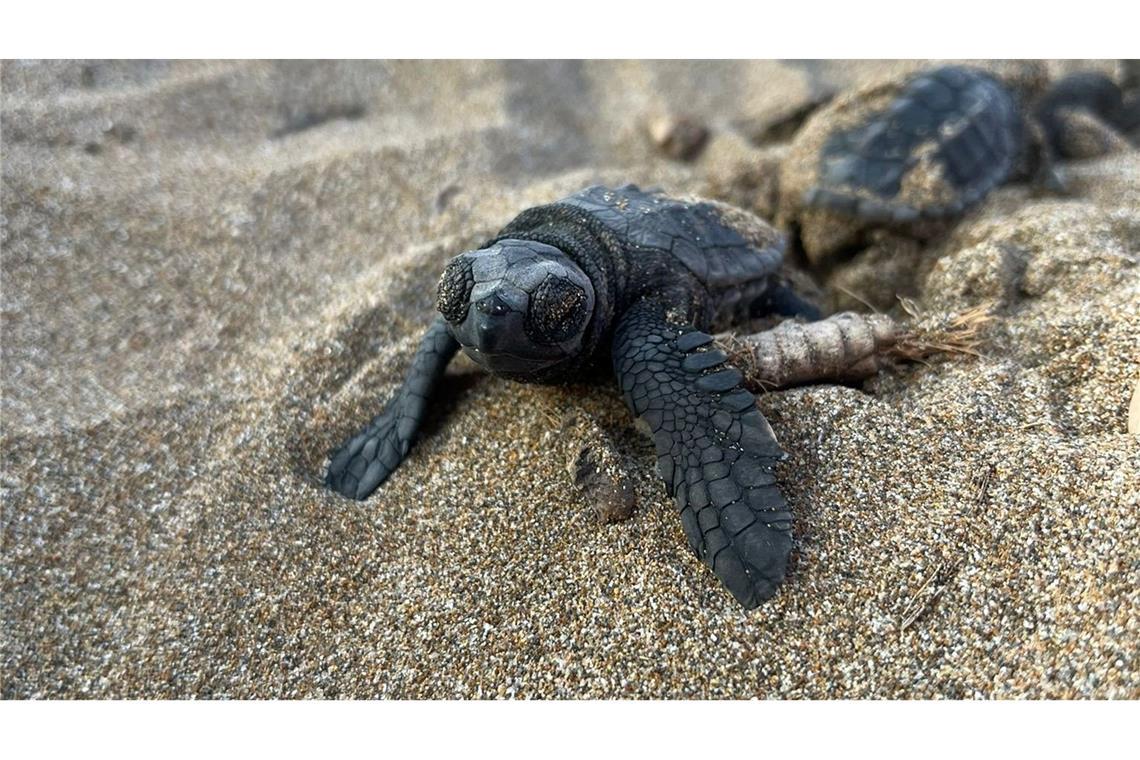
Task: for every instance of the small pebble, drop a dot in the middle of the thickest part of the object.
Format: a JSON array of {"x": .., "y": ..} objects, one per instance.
[{"x": 678, "y": 137}]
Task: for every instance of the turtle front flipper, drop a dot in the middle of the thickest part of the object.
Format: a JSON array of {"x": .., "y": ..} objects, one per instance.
[
  {"x": 715, "y": 451},
  {"x": 364, "y": 461}
]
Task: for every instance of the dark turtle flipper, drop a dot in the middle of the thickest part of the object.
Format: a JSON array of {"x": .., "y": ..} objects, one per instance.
[
  {"x": 715, "y": 451},
  {"x": 370, "y": 456}
]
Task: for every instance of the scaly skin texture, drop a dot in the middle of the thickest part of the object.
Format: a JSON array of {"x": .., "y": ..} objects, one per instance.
[
  {"x": 364, "y": 461},
  {"x": 715, "y": 451},
  {"x": 639, "y": 276}
]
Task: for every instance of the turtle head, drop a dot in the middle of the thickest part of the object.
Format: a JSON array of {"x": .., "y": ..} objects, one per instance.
[{"x": 518, "y": 307}]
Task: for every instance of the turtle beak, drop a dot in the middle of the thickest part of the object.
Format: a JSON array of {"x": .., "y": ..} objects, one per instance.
[{"x": 493, "y": 323}]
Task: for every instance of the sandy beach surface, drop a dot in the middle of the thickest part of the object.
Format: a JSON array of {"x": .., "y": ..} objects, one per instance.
[{"x": 214, "y": 272}]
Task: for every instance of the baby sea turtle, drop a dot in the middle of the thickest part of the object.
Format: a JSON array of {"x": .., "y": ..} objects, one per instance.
[
  {"x": 907, "y": 154},
  {"x": 632, "y": 280}
]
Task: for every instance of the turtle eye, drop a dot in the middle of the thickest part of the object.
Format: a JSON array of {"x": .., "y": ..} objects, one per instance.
[
  {"x": 557, "y": 311},
  {"x": 455, "y": 289}
]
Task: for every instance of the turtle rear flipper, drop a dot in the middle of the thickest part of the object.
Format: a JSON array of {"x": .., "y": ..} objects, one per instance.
[
  {"x": 715, "y": 451},
  {"x": 364, "y": 461}
]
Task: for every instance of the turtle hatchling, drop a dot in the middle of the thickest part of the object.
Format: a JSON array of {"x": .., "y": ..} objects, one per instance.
[
  {"x": 634, "y": 281},
  {"x": 908, "y": 154}
]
